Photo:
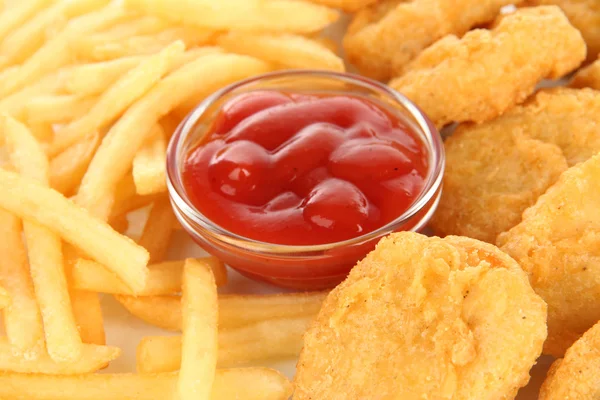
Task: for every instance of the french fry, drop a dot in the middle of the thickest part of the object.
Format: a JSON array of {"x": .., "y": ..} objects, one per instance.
[
  {"x": 140, "y": 26},
  {"x": 238, "y": 383},
  {"x": 32, "y": 201},
  {"x": 41, "y": 131},
  {"x": 157, "y": 231},
  {"x": 98, "y": 49},
  {"x": 92, "y": 358},
  {"x": 163, "y": 278},
  {"x": 54, "y": 109},
  {"x": 94, "y": 78},
  {"x": 270, "y": 16},
  {"x": 22, "y": 318},
  {"x": 237, "y": 346},
  {"x": 16, "y": 16},
  {"x": 56, "y": 52},
  {"x": 234, "y": 310},
  {"x": 115, "y": 155},
  {"x": 4, "y": 298},
  {"x": 119, "y": 224},
  {"x": 126, "y": 198},
  {"x": 25, "y": 40},
  {"x": 290, "y": 51},
  {"x": 44, "y": 250},
  {"x": 68, "y": 167},
  {"x": 199, "y": 339},
  {"x": 88, "y": 314},
  {"x": 149, "y": 164},
  {"x": 346, "y": 5},
  {"x": 118, "y": 97}
]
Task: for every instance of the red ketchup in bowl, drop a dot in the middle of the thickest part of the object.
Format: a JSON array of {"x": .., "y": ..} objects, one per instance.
[{"x": 304, "y": 169}]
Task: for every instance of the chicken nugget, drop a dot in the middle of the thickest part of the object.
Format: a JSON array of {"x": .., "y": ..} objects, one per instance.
[
  {"x": 495, "y": 170},
  {"x": 480, "y": 76},
  {"x": 584, "y": 15},
  {"x": 558, "y": 245},
  {"x": 588, "y": 77},
  {"x": 383, "y": 38},
  {"x": 425, "y": 318},
  {"x": 577, "y": 376}
]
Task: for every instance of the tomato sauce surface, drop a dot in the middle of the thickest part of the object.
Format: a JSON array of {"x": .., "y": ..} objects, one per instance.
[{"x": 305, "y": 169}]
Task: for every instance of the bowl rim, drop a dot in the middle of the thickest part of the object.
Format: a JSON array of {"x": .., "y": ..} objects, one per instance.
[{"x": 186, "y": 210}]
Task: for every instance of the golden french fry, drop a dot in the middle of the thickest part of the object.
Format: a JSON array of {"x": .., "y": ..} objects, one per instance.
[
  {"x": 118, "y": 97},
  {"x": 267, "y": 340},
  {"x": 25, "y": 40},
  {"x": 32, "y": 201},
  {"x": 56, "y": 52},
  {"x": 4, "y": 298},
  {"x": 57, "y": 108},
  {"x": 126, "y": 198},
  {"x": 41, "y": 131},
  {"x": 346, "y": 5},
  {"x": 140, "y": 26},
  {"x": 237, "y": 383},
  {"x": 17, "y": 15},
  {"x": 88, "y": 314},
  {"x": 68, "y": 167},
  {"x": 199, "y": 339},
  {"x": 97, "y": 48},
  {"x": 92, "y": 358},
  {"x": 115, "y": 155},
  {"x": 270, "y": 16},
  {"x": 119, "y": 224},
  {"x": 149, "y": 165},
  {"x": 163, "y": 278},
  {"x": 44, "y": 249},
  {"x": 157, "y": 231},
  {"x": 287, "y": 50},
  {"x": 22, "y": 318},
  {"x": 234, "y": 310}
]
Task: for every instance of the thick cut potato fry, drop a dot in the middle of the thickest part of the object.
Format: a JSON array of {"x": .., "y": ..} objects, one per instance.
[
  {"x": 267, "y": 340},
  {"x": 157, "y": 231},
  {"x": 230, "y": 384},
  {"x": 98, "y": 49},
  {"x": 68, "y": 167},
  {"x": 56, "y": 53},
  {"x": 32, "y": 201},
  {"x": 118, "y": 97},
  {"x": 234, "y": 310},
  {"x": 22, "y": 318},
  {"x": 25, "y": 40},
  {"x": 4, "y": 298},
  {"x": 58, "y": 109},
  {"x": 272, "y": 15},
  {"x": 290, "y": 51},
  {"x": 150, "y": 164},
  {"x": 199, "y": 340},
  {"x": 44, "y": 249},
  {"x": 163, "y": 278},
  {"x": 117, "y": 151},
  {"x": 92, "y": 358}
]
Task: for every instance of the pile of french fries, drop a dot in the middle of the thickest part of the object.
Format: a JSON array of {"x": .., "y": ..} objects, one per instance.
[{"x": 90, "y": 93}]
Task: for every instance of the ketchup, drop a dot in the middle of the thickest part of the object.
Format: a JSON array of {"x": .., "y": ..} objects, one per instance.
[{"x": 305, "y": 169}]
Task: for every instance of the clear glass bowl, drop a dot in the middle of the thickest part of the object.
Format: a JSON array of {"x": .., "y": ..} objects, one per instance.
[{"x": 299, "y": 267}]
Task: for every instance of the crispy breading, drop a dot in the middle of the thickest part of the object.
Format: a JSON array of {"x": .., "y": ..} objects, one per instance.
[
  {"x": 584, "y": 15},
  {"x": 588, "y": 77},
  {"x": 383, "y": 38},
  {"x": 576, "y": 377},
  {"x": 495, "y": 170},
  {"x": 558, "y": 245},
  {"x": 425, "y": 318},
  {"x": 480, "y": 76}
]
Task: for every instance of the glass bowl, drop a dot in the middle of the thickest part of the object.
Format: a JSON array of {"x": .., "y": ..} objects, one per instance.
[{"x": 299, "y": 267}]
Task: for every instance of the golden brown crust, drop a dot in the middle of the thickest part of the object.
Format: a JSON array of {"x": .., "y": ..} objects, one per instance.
[
  {"x": 588, "y": 77},
  {"x": 558, "y": 245},
  {"x": 480, "y": 76},
  {"x": 425, "y": 318},
  {"x": 576, "y": 377},
  {"x": 495, "y": 170}
]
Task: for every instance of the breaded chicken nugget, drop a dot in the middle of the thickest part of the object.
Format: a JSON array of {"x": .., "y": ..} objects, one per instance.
[
  {"x": 577, "y": 376},
  {"x": 584, "y": 15},
  {"x": 383, "y": 38},
  {"x": 588, "y": 77},
  {"x": 558, "y": 245},
  {"x": 425, "y": 318},
  {"x": 480, "y": 76},
  {"x": 495, "y": 170}
]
